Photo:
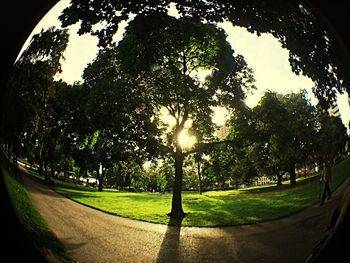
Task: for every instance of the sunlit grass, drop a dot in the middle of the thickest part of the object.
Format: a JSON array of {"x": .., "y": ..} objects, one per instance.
[
  {"x": 203, "y": 210},
  {"x": 214, "y": 208}
]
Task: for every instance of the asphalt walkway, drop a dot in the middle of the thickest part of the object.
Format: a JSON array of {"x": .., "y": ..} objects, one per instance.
[{"x": 89, "y": 235}]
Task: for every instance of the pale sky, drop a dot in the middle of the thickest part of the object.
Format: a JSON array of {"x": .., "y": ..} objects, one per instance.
[{"x": 263, "y": 54}]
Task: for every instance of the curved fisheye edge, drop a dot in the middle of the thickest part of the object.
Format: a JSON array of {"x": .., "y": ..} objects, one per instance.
[
  {"x": 16, "y": 32},
  {"x": 336, "y": 25},
  {"x": 19, "y": 18}
]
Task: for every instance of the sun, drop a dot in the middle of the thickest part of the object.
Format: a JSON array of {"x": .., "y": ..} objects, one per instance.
[{"x": 186, "y": 140}]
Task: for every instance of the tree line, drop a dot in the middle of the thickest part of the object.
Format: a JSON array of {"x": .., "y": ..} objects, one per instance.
[
  {"x": 282, "y": 134},
  {"x": 72, "y": 129}
]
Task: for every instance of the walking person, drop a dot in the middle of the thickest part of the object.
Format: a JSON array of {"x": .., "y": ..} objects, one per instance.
[{"x": 326, "y": 179}]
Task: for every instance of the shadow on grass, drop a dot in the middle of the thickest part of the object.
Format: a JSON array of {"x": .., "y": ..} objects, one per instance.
[
  {"x": 75, "y": 195},
  {"x": 170, "y": 248}
]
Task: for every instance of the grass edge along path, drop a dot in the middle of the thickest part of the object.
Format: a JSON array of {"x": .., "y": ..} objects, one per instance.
[
  {"x": 31, "y": 219},
  {"x": 214, "y": 208}
]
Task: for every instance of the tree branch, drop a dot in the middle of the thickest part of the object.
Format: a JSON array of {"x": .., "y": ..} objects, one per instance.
[
  {"x": 162, "y": 146},
  {"x": 184, "y": 119},
  {"x": 204, "y": 145},
  {"x": 171, "y": 111}
]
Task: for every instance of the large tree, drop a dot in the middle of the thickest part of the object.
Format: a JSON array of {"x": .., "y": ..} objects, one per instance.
[
  {"x": 167, "y": 58},
  {"x": 158, "y": 67}
]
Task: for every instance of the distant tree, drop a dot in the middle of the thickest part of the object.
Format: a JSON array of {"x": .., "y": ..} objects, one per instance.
[
  {"x": 331, "y": 137},
  {"x": 271, "y": 125},
  {"x": 300, "y": 133},
  {"x": 231, "y": 166},
  {"x": 26, "y": 112},
  {"x": 116, "y": 115},
  {"x": 198, "y": 158},
  {"x": 129, "y": 175},
  {"x": 279, "y": 133},
  {"x": 165, "y": 177},
  {"x": 70, "y": 104},
  {"x": 208, "y": 175}
]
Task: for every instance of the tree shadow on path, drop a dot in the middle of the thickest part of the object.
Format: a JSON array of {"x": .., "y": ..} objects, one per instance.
[{"x": 170, "y": 247}]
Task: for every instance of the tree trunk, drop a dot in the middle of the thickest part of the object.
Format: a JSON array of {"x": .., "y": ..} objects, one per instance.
[
  {"x": 292, "y": 176},
  {"x": 45, "y": 158},
  {"x": 9, "y": 156},
  {"x": 100, "y": 182},
  {"x": 41, "y": 161},
  {"x": 14, "y": 164},
  {"x": 41, "y": 167},
  {"x": 52, "y": 172},
  {"x": 46, "y": 172},
  {"x": 176, "y": 205},
  {"x": 117, "y": 175},
  {"x": 199, "y": 178},
  {"x": 100, "y": 179},
  {"x": 279, "y": 179}
]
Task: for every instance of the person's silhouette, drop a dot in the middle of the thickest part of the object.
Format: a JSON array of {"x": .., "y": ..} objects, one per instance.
[{"x": 326, "y": 178}]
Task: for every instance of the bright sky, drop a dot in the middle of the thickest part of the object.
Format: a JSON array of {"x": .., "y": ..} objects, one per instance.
[{"x": 263, "y": 54}]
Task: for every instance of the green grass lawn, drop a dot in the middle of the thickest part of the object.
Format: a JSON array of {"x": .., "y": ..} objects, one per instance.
[
  {"x": 215, "y": 208},
  {"x": 31, "y": 218}
]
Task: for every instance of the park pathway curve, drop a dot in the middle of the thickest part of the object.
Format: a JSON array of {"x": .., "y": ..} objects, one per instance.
[{"x": 89, "y": 235}]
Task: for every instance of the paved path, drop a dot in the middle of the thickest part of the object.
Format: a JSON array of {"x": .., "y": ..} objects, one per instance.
[{"x": 89, "y": 235}]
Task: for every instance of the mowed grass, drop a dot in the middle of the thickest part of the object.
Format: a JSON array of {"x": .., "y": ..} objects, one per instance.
[{"x": 215, "y": 208}]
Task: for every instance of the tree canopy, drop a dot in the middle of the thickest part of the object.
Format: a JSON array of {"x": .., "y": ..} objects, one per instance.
[{"x": 312, "y": 50}]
